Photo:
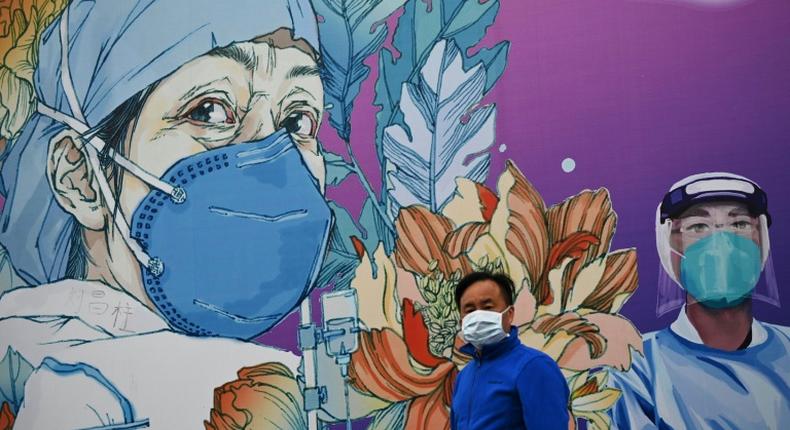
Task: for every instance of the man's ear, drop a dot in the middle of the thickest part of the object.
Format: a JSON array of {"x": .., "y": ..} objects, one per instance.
[{"x": 73, "y": 181}]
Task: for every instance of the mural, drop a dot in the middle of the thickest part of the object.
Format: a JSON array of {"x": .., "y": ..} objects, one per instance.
[{"x": 253, "y": 214}]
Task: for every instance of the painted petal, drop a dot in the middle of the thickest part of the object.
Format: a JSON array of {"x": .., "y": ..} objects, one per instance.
[
  {"x": 519, "y": 228},
  {"x": 431, "y": 411},
  {"x": 552, "y": 345},
  {"x": 586, "y": 283},
  {"x": 462, "y": 239},
  {"x": 527, "y": 236},
  {"x": 571, "y": 421},
  {"x": 549, "y": 306},
  {"x": 524, "y": 308},
  {"x": 421, "y": 234},
  {"x": 487, "y": 248},
  {"x": 377, "y": 299},
  {"x": 472, "y": 202},
  {"x": 416, "y": 335},
  {"x": 264, "y": 393},
  {"x": 578, "y": 328},
  {"x": 588, "y": 211},
  {"x": 381, "y": 368},
  {"x": 574, "y": 247},
  {"x": 598, "y": 401},
  {"x": 620, "y": 337},
  {"x": 577, "y": 381},
  {"x": 619, "y": 281},
  {"x": 406, "y": 288}
]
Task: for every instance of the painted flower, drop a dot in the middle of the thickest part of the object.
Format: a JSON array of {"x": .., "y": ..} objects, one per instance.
[
  {"x": 264, "y": 396},
  {"x": 590, "y": 398},
  {"x": 570, "y": 289},
  {"x": 21, "y": 25}
]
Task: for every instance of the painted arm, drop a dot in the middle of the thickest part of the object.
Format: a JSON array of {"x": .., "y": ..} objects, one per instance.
[{"x": 635, "y": 409}]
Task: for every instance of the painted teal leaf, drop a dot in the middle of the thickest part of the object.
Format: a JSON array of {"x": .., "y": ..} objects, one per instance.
[
  {"x": 341, "y": 259},
  {"x": 350, "y": 31},
  {"x": 375, "y": 230},
  {"x": 337, "y": 169},
  {"x": 468, "y": 15},
  {"x": 14, "y": 372}
]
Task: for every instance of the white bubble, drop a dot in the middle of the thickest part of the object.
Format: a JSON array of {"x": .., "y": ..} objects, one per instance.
[
  {"x": 502, "y": 147},
  {"x": 568, "y": 165}
]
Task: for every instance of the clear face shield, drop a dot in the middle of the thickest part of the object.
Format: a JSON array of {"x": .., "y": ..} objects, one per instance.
[{"x": 716, "y": 252}]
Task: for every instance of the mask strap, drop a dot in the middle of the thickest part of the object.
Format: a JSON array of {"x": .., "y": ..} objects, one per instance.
[
  {"x": 672, "y": 250},
  {"x": 79, "y": 124},
  {"x": 177, "y": 194}
]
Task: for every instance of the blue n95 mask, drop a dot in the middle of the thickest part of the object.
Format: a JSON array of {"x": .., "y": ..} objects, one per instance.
[
  {"x": 242, "y": 243},
  {"x": 721, "y": 270}
]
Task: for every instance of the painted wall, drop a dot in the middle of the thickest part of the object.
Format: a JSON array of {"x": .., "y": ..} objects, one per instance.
[{"x": 445, "y": 136}]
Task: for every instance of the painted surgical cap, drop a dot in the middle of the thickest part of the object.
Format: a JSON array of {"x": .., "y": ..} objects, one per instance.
[{"x": 115, "y": 49}]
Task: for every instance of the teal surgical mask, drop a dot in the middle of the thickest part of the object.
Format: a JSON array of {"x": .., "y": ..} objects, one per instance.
[{"x": 721, "y": 270}]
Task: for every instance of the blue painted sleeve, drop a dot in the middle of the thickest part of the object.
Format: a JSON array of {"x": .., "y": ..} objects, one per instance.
[
  {"x": 635, "y": 408},
  {"x": 544, "y": 395}
]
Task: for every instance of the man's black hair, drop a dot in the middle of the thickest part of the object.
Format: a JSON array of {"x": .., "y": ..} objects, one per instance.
[
  {"x": 113, "y": 131},
  {"x": 502, "y": 280}
]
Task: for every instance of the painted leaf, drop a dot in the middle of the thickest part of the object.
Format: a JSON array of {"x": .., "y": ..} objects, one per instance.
[
  {"x": 447, "y": 139},
  {"x": 337, "y": 169},
  {"x": 351, "y": 31},
  {"x": 341, "y": 259},
  {"x": 375, "y": 230},
  {"x": 14, "y": 372},
  {"x": 421, "y": 26},
  {"x": 9, "y": 279}
]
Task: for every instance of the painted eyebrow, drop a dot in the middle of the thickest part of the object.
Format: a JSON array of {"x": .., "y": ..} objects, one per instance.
[
  {"x": 243, "y": 56},
  {"x": 695, "y": 212},
  {"x": 738, "y": 212},
  {"x": 294, "y": 91},
  {"x": 196, "y": 89},
  {"x": 303, "y": 71}
]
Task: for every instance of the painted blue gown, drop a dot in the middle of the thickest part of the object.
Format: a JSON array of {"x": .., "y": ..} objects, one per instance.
[{"x": 682, "y": 384}]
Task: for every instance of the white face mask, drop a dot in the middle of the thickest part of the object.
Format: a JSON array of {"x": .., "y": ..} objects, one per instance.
[{"x": 483, "y": 328}]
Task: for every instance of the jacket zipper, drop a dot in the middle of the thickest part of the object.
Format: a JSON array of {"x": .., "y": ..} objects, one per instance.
[{"x": 479, "y": 361}]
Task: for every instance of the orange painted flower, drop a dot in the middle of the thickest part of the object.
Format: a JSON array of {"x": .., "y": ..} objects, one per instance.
[
  {"x": 21, "y": 25},
  {"x": 264, "y": 396},
  {"x": 570, "y": 289}
]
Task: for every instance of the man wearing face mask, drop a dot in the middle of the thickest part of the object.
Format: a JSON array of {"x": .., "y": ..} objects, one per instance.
[
  {"x": 715, "y": 366},
  {"x": 507, "y": 385}
]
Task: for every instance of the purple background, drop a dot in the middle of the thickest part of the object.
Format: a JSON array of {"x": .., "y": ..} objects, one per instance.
[{"x": 640, "y": 94}]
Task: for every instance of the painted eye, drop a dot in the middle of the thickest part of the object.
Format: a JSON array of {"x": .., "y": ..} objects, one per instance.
[
  {"x": 741, "y": 225},
  {"x": 211, "y": 111},
  {"x": 698, "y": 228},
  {"x": 301, "y": 123}
]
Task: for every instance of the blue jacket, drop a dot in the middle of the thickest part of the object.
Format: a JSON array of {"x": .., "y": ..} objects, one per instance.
[{"x": 509, "y": 386}]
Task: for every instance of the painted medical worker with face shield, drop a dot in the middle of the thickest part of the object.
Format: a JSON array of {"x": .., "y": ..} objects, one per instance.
[
  {"x": 164, "y": 205},
  {"x": 716, "y": 366}
]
